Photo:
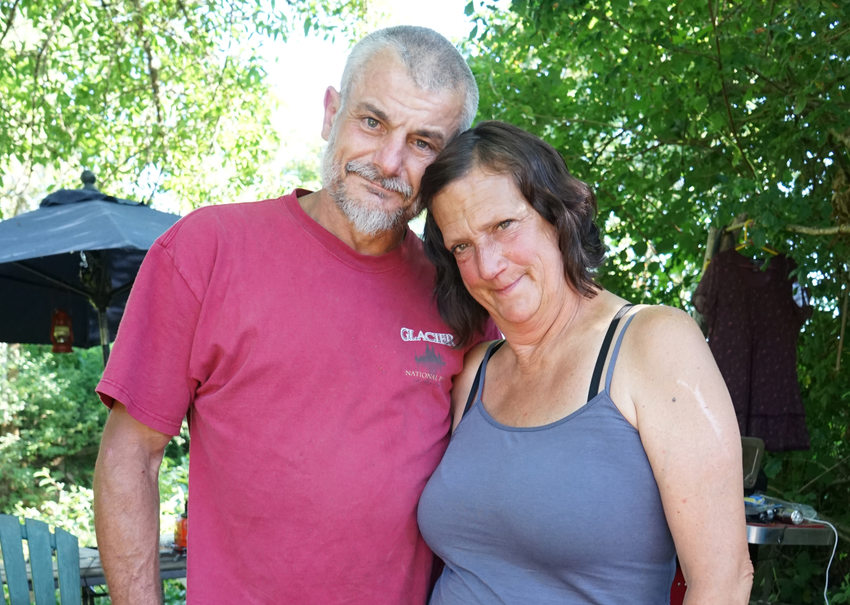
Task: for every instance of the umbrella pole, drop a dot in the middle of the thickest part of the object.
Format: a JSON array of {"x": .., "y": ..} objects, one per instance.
[{"x": 104, "y": 334}]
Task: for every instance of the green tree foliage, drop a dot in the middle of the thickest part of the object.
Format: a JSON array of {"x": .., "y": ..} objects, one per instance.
[
  {"x": 687, "y": 116},
  {"x": 158, "y": 94},
  {"x": 50, "y": 419},
  {"x": 156, "y": 97},
  {"x": 50, "y": 426}
]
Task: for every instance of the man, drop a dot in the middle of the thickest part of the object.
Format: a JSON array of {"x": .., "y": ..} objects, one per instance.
[{"x": 300, "y": 336}]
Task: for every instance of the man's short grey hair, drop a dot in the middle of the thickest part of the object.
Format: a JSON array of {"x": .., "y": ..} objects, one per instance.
[{"x": 434, "y": 64}]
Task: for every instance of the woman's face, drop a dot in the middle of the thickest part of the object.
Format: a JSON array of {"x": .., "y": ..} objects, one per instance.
[{"x": 507, "y": 254}]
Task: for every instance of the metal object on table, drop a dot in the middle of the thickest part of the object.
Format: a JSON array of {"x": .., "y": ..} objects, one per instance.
[
  {"x": 752, "y": 449},
  {"x": 805, "y": 534}
]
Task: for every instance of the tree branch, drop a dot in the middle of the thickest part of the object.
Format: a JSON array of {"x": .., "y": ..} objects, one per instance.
[
  {"x": 153, "y": 74},
  {"x": 842, "y": 229},
  {"x": 35, "y": 76},
  {"x": 605, "y": 143},
  {"x": 841, "y": 333},
  {"x": 732, "y": 126},
  {"x": 825, "y": 472},
  {"x": 10, "y": 20}
]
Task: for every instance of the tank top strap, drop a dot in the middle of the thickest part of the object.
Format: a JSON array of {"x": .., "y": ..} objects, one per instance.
[
  {"x": 478, "y": 382},
  {"x": 610, "y": 374},
  {"x": 603, "y": 351}
]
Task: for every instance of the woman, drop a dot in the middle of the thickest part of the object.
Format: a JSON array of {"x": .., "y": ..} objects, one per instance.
[{"x": 551, "y": 492}]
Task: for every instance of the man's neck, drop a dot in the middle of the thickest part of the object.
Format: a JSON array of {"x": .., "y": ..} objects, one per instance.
[{"x": 321, "y": 208}]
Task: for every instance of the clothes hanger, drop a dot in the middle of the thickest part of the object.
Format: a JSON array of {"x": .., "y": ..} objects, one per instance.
[
  {"x": 723, "y": 238},
  {"x": 748, "y": 242}
]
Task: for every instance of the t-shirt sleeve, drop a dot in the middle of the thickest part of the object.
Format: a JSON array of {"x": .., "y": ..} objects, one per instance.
[
  {"x": 491, "y": 332},
  {"x": 148, "y": 368}
]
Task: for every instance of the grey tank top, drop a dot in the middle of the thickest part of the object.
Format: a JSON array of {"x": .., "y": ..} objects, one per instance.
[{"x": 565, "y": 513}]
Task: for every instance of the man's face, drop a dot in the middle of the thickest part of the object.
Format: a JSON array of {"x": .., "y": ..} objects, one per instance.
[{"x": 380, "y": 140}]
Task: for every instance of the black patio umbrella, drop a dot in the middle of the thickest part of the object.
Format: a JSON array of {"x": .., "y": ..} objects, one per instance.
[{"x": 72, "y": 262}]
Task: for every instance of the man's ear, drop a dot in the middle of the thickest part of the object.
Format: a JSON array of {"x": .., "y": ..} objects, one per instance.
[{"x": 332, "y": 102}]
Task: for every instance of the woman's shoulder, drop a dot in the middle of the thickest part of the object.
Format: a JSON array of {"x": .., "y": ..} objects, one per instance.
[
  {"x": 652, "y": 319},
  {"x": 663, "y": 339},
  {"x": 463, "y": 382},
  {"x": 661, "y": 328},
  {"x": 474, "y": 357}
]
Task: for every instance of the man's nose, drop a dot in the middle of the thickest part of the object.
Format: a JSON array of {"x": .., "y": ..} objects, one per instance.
[{"x": 390, "y": 155}]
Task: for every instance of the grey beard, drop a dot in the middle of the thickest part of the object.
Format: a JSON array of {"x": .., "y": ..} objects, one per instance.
[
  {"x": 370, "y": 221},
  {"x": 366, "y": 220}
]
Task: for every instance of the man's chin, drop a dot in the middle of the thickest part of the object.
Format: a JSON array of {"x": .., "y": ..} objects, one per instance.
[{"x": 369, "y": 220}]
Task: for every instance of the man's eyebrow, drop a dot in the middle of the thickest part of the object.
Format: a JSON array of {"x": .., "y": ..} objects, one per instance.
[
  {"x": 434, "y": 136},
  {"x": 369, "y": 108}
]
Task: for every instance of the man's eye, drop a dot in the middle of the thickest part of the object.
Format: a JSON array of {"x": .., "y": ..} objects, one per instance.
[
  {"x": 423, "y": 145},
  {"x": 372, "y": 122},
  {"x": 504, "y": 224}
]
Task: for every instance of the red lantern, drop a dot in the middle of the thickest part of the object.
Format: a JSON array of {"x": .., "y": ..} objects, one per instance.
[{"x": 61, "y": 334}]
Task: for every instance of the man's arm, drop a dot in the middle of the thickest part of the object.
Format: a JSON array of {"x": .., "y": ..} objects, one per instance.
[{"x": 126, "y": 507}]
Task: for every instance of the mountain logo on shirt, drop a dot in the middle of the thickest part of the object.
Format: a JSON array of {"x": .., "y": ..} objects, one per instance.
[
  {"x": 428, "y": 366},
  {"x": 430, "y": 357}
]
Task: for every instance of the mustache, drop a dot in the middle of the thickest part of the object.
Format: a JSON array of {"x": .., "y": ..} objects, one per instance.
[{"x": 371, "y": 173}]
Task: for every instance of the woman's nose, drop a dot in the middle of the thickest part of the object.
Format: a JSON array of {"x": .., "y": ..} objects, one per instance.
[{"x": 490, "y": 261}]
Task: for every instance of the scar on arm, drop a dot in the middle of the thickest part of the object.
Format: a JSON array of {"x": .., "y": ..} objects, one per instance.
[{"x": 703, "y": 406}]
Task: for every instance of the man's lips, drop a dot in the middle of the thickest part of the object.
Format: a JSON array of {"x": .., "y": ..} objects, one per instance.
[
  {"x": 377, "y": 184},
  {"x": 376, "y": 189}
]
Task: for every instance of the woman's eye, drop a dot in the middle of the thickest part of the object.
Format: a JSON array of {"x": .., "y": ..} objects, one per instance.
[{"x": 458, "y": 248}]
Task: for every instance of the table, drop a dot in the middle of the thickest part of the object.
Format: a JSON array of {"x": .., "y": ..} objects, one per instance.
[
  {"x": 805, "y": 534},
  {"x": 768, "y": 538},
  {"x": 171, "y": 565}
]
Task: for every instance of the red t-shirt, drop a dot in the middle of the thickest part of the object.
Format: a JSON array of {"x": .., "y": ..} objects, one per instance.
[{"x": 317, "y": 382}]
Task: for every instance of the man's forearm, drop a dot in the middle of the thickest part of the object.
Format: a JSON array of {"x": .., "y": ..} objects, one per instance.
[
  {"x": 126, "y": 507},
  {"x": 127, "y": 526}
]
